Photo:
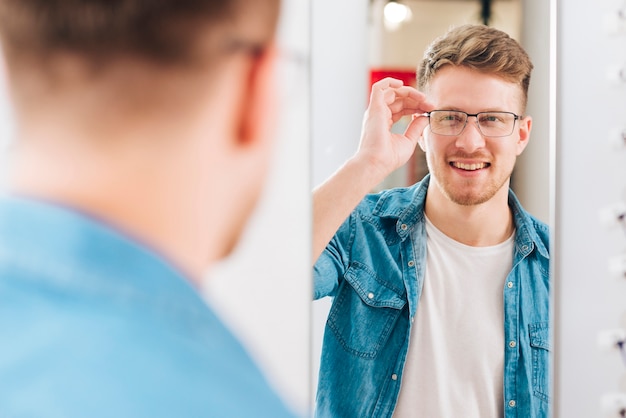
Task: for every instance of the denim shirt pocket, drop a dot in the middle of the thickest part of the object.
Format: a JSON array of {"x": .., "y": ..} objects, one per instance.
[
  {"x": 540, "y": 346},
  {"x": 364, "y": 311}
]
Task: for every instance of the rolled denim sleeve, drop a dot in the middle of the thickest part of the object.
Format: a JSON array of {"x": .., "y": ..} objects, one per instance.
[{"x": 333, "y": 262}]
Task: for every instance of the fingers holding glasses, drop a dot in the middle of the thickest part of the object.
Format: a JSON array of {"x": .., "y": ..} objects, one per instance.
[
  {"x": 390, "y": 100},
  {"x": 408, "y": 101},
  {"x": 386, "y": 83},
  {"x": 399, "y": 100},
  {"x": 390, "y": 89}
]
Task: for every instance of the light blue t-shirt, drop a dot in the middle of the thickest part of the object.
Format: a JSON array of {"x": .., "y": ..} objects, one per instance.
[{"x": 95, "y": 324}]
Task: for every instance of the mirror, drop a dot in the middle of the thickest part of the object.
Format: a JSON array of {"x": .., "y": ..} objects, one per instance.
[{"x": 345, "y": 62}]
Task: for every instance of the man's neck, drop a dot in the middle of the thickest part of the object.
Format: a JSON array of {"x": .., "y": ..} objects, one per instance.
[
  {"x": 147, "y": 197},
  {"x": 481, "y": 225}
]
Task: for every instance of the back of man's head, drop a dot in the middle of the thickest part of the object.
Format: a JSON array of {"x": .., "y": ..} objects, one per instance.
[
  {"x": 52, "y": 45},
  {"x": 164, "y": 32},
  {"x": 155, "y": 114}
]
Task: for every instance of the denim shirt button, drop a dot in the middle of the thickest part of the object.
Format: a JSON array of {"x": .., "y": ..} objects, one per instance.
[
  {"x": 512, "y": 344},
  {"x": 509, "y": 285},
  {"x": 394, "y": 377},
  {"x": 524, "y": 247},
  {"x": 411, "y": 263},
  {"x": 404, "y": 227},
  {"x": 512, "y": 403},
  {"x": 370, "y": 295}
]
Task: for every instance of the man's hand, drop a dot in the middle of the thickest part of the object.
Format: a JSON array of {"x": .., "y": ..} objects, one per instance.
[
  {"x": 380, "y": 152},
  {"x": 380, "y": 149}
]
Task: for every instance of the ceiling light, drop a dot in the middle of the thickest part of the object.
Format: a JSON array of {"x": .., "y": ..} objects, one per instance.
[{"x": 396, "y": 12}]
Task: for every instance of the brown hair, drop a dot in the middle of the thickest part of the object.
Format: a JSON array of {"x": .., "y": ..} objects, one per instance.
[
  {"x": 160, "y": 31},
  {"x": 479, "y": 47}
]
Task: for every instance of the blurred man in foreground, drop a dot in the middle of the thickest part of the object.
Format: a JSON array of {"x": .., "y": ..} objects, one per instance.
[{"x": 143, "y": 138}]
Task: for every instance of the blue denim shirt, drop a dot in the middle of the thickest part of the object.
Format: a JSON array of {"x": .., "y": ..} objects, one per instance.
[
  {"x": 374, "y": 269},
  {"x": 95, "y": 324}
]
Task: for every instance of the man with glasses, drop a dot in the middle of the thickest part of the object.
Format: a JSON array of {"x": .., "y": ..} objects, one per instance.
[
  {"x": 144, "y": 135},
  {"x": 440, "y": 290}
]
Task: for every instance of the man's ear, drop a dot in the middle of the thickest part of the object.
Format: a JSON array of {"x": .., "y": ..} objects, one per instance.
[
  {"x": 258, "y": 106},
  {"x": 525, "y": 126},
  {"x": 421, "y": 140},
  {"x": 416, "y": 129}
]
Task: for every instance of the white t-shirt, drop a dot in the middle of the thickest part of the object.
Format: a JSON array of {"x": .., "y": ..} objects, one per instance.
[{"x": 454, "y": 365}]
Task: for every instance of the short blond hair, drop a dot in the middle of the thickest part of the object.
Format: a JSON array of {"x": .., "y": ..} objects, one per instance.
[{"x": 479, "y": 47}]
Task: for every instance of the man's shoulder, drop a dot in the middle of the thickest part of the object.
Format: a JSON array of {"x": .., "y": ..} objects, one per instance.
[
  {"x": 542, "y": 230},
  {"x": 88, "y": 353},
  {"x": 393, "y": 203},
  {"x": 90, "y": 330},
  {"x": 539, "y": 226}
]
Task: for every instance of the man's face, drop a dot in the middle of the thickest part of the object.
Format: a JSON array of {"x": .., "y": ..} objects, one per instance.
[{"x": 469, "y": 169}]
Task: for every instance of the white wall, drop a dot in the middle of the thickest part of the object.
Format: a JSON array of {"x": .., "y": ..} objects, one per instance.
[
  {"x": 264, "y": 290},
  {"x": 339, "y": 82},
  {"x": 532, "y": 171},
  {"x": 591, "y": 175}
]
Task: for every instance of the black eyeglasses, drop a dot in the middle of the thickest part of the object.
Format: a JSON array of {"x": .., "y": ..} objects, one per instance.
[{"x": 453, "y": 122}]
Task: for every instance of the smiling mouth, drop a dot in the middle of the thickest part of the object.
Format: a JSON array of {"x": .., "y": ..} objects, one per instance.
[{"x": 469, "y": 167}]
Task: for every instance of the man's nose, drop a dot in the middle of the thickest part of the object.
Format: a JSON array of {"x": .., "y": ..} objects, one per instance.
[{"x": 471, "y": 139}]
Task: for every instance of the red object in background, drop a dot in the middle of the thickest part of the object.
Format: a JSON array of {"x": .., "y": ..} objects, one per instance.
[{"x": 407, "y": 76}]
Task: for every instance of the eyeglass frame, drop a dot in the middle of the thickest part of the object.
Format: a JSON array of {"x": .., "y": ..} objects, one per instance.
[{"x": 516, "y": 117}]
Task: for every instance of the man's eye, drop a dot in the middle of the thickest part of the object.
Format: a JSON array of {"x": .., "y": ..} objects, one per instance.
[
  {"x": 491, "y": 119},
  {"x": 451, "y": 117}
]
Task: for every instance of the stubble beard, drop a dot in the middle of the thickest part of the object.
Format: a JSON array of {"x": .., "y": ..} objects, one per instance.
[{"x": 466, "y": 194}]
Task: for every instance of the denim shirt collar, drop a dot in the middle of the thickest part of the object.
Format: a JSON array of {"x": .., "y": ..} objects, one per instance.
[
  {"x": 408, "y": 208},
  {"x": 526, "y": 237}
]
